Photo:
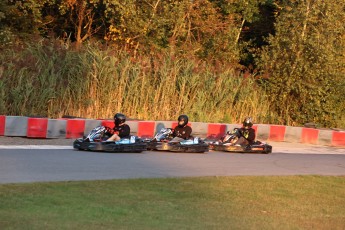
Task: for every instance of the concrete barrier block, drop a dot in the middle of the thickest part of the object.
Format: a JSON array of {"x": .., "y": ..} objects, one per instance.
[
  {"x": 75, "y": 128},
  {"x": 56, "y": 128},
  {"x": 338, "y": 138},
  {"x": 163, "y": 124},
  {"x": 277, "y": 133},
  {"x": 134, "y": 127},
  {"x": 263, "y": 132},
  {"x": 16, "y": 126},
  {"x": 310, "y": 136},
  {"x": 2, "y": 125},
  {"x": 90, "y": 124},
  {"x": 37, "y": 127},
  {"x": 199, "y": 129},
  {"x": 146, "y": 129},
  {"x": 231, "y": 127},
  {"x": 293, "y": 134},
  {"x": 325, "y": 137}
]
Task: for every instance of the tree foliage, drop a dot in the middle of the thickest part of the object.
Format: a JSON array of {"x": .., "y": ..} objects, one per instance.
[{"x": 304, "y": 62}]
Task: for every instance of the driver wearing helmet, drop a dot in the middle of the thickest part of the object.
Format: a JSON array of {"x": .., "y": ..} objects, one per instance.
[
  {"x": 182, "y": 131},
  {"x": 247, "y": 133},
  {"x": 120, "y": 130}
]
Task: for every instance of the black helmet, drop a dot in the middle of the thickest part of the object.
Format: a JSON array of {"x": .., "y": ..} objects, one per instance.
[
  {"x": 119, "y": 119},
  {"x": 248, "y": 122},
  {"x": 183, "y": 118}
]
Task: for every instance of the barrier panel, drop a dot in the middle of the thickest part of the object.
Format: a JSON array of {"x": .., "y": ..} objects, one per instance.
[
  {"x": 108, "y": 123},
  {"x": 325, "y": 137},
  {"x": 263, "y": 132},
  {"x": 56, "y": 128},
  {"x": 231, "y": 127},
  {"x": 216, "y": 130},
  {"x": 163, "y": 124},
  {"x": 2, "y": 125},
  {"x": 134, "y": 127},
  {"x": 338, "y": 138},
  {"x": 37, "y": 127},
  {"x": 199, "y": 129},
  {"x": 310, "y": 136},
  {"x": 75, "y": 128},
  {"x": 90, "y": 124},
  {"x": 146, "y": 129},
  {"x": 16, "y": 126},
  {"x": 293, "y": 134},
  {"x": 277, "y": 133}
]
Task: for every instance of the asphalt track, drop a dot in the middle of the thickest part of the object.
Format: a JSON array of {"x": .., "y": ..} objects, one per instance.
[{"x": 36, "y": 163}]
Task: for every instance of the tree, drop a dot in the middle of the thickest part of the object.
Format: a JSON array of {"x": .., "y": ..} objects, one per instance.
[
  {"x": 77, "y": 19},
  {"x": 304, "y": 62},
  {"x": 19, "y": 19}
]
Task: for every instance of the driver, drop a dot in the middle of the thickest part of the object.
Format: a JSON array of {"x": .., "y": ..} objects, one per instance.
[
  {"x": 247, "y": 133},
  {"x": 120, "y": 130},
  {"x": 182, "y": 131}
]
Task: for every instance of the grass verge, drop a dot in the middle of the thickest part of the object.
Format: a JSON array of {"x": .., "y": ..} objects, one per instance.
[{"x": 293, "y": 202}]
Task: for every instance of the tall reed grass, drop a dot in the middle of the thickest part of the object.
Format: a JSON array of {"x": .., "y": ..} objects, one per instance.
[{"x": 48, "y": 79}]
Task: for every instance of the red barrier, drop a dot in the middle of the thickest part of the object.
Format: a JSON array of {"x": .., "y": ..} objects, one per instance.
[
  {"x": 277, "y": 133},
  {"x": 75, "y": 128},
  {"x": 338, "y": 138},
  {"x": 108, "y": 123},
  {"x": 216, "y": 130},
  {"x": 2, "y": 125},
  {"x": 310, "y": 136},
  {"x": 146, "y": 129},
  {"x": 37, "y": 127}
]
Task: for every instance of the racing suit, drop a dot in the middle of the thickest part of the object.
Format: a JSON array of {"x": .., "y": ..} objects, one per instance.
[
  {"x": 247, "y": 136},
  {"x": 121, "y": 130},
  {"x": 181, "y": 133}
]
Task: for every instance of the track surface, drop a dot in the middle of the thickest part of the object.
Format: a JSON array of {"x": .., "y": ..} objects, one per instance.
[{"x": 33, "y": 163}]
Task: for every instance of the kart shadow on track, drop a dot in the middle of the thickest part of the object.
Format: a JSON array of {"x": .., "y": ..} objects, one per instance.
[
  {"x": 96, "y": 141},
  {"x": 162, "y": 141}
]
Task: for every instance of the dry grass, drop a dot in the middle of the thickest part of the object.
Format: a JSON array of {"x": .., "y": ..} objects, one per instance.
[{"x": 49, "y": 80}]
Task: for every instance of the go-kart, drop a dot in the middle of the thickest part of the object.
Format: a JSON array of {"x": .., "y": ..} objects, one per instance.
[
  {"x": 162, "y": 141},
  {"x": 96, "y": 141},
  {"x": 228, "y": 144}
]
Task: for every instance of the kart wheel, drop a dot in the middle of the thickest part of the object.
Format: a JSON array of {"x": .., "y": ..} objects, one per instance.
[{"x": 268, "y": 150}]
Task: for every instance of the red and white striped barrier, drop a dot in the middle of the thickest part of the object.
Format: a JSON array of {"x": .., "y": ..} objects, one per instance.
[
  {"x": 37, "y": 127},
  {"x": 74, "y": 128},
  {"x": 2, "y": 125}
]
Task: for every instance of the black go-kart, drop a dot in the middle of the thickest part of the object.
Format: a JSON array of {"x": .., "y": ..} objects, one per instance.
[
  {"x": 96, "y": 141},
  {"x": 227, "y": 144},
  {"x": 162, "y": 142}
]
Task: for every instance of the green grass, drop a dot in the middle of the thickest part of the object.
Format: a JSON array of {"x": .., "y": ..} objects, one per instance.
[{"x": 294, "y": 202}]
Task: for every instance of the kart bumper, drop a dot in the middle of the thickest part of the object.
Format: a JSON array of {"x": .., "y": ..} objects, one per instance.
[{"x": 112, "y": 146}]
